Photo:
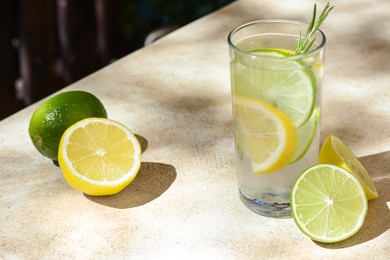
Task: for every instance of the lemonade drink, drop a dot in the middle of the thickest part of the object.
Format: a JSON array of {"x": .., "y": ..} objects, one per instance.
[{"x": 276, "y": 99}]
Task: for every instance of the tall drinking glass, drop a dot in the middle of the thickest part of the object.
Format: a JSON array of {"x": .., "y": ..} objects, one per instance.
[{"x": 276, "y": 98}]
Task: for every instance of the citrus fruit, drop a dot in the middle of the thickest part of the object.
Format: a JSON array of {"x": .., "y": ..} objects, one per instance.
[
  {"x": 335, "y": 152},
  {"x": 99, "y": 156},
  {"x": 305, "y": 135},
  {"x": 287, "y": 84},
  {"x": 50, "y": 120},
  {"x": 328, "y": 203},
  {"x": 265, "y": 134}
]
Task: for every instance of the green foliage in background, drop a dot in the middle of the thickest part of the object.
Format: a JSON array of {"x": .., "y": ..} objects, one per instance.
[{"x": 140, "y": 17}]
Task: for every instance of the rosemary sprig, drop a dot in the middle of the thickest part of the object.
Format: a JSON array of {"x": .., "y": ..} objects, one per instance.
[{"x": 304, "y": 45}]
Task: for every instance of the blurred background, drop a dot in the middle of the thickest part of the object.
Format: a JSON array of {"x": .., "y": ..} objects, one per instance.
[{"x": 46, "y": 45}]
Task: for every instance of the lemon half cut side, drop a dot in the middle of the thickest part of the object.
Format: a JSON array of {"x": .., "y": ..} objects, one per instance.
[
  {"x": 335, "y": 152},
  {"x": 99, "y": 156}
]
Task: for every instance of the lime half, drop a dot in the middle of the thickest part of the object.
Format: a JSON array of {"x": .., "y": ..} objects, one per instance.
[
  {"x": 328, "y": 203},
  {"x": 287, "y": 84},
  {"x": 335, "y": 152}
]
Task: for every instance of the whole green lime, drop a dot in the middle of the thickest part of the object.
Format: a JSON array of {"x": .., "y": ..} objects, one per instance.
[{"x": 55, "y": 115}]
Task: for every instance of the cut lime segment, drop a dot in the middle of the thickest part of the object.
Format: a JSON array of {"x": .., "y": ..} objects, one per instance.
[
  {"x": 306, "y": 134},
  {"x": 264, "y": 134},
  {"x": 335, "y": 152},
  {"x": 272, "y": 52},
  {"x": 287, "y": 84},
  {"x": 328, "y": 203}
]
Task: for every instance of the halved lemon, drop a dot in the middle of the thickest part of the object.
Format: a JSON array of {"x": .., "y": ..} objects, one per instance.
[
  {"x": 99, "y": 156},
  {"x": 265, "y": 134},
  {"x": 335, "y": 152},
  {"x": 328, "y": 203}
]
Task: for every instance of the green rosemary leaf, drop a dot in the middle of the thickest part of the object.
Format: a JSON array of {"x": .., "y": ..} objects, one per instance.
[{"x": 304, "y": 45}]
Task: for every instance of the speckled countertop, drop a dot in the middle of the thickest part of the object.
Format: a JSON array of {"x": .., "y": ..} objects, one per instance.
[{"x": 175, "y": 95}]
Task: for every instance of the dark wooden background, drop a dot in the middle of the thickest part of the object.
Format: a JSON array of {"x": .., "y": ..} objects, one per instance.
[{"x": 48, "y": 44}]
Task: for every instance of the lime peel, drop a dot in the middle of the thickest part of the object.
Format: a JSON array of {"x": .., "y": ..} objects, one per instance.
[
  {"x": 306, "y": 134},
  {"x": 51, "y": 118}
]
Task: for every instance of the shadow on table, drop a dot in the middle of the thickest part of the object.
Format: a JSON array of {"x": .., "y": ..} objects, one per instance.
[
  {"x": 152, "y": 180},
  {"x": 142, "y": 142},
  {"x": 377, "y": 220}
]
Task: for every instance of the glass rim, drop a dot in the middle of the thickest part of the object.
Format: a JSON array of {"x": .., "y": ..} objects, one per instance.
[{"x": 280, "y": 21}]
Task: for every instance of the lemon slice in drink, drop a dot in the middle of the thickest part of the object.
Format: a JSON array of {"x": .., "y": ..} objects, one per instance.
[
  {"x": 99, "y": 156},
  {"x": 266, "y": 135},
  {"x": 286, "y": 83},
  {"x": 305, "y": 135},
  {"x": 328, "y": 203},
  {"x": 335, "y": 152}
]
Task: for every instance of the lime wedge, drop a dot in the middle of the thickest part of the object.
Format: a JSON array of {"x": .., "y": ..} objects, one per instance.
[
  {"x": 335, "y": 152},
  {"x": 287, "y": 84},
  {"x": 305, "y": 135},
  {"x": 265, "y": 134},
  {"x": 328, "y": 203}
]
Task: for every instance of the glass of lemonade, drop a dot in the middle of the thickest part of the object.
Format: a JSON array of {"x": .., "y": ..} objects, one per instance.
[{"x": 276, "y": 98}]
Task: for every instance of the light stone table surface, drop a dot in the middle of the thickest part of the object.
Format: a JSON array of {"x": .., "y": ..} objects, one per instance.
[{"x": 184, "y": 204}]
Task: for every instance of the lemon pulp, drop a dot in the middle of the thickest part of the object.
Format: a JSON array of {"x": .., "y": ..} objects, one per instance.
[{"x": 99, "y": 156}]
